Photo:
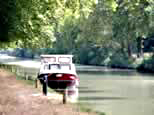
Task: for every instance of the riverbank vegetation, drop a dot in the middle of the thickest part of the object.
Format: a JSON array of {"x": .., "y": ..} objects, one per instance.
[
  {"x": 147, "y": 65},
  {"x": 113, "y": 33}
]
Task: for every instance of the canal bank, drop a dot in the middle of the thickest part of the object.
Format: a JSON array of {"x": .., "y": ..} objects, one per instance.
[
  {"x": 35, "y": 63},
  {"x": 20, "y": 98}
]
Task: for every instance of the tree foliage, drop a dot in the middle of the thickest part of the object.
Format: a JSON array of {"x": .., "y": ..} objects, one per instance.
[{"x": 93, "y": 30}]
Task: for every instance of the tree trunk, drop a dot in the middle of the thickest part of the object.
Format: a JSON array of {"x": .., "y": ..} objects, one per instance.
[
  {"x": 123, "y": 47},
  {"x": 22, "y": 52},
  {"x": 129, "y": 50},
  {"x": 140, "y": 47}
]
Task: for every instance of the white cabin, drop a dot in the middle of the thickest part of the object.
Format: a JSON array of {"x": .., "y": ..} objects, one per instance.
[{"x": 57, "y": 64}]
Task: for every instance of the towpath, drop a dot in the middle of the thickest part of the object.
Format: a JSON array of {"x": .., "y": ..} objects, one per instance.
[{"x": 18, "y": 98}]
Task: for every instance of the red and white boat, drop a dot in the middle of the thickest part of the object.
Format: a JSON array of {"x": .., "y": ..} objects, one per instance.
[{"x": 59, "y": 73}]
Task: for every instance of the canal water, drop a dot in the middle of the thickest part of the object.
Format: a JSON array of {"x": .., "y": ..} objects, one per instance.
[
  {"x": 114, "y": 92},
  {"x": 118, "y": 93}
]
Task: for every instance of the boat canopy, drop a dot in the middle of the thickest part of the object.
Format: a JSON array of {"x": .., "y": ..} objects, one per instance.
[
  {"x": 57, "y": 59},
  {"x": 57, "y": 64}
]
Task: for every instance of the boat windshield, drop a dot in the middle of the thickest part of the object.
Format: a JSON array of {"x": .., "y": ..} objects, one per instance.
[{"x": 57, "y": 67}]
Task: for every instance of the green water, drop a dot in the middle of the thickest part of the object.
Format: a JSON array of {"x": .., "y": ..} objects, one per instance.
[{"x": 118, "y": 93}]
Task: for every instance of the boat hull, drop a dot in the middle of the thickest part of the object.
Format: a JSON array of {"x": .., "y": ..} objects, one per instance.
[{"x": 60, "y": 82}]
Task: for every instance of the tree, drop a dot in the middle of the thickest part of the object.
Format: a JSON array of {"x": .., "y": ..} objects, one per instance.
[{"x": 7, "y": 19}]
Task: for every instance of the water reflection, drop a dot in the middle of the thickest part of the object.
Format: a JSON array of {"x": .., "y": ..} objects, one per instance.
[
  {"x": 118, "y": 92},
  {"x": 94, "y": 98},
  {"x": 83, "y": 87},
  {"x": 91, "y": 91}
]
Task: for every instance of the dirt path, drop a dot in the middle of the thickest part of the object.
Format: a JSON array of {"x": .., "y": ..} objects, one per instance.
[{"x": 17, "y": 98}]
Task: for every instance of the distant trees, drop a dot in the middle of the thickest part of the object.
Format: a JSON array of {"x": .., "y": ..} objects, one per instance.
[{"x": 93, "y": 30}]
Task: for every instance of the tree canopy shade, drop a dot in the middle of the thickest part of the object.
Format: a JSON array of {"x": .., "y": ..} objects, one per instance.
[{"x": 7, "y": 20}]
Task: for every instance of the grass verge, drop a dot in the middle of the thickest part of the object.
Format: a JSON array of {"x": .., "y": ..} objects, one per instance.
[{"x": 85, "y": 108}]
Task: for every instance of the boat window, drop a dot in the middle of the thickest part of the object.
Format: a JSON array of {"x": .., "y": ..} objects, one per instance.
[
  {"x": 46, "y": 66},
  {"x": 59, "y": 66},
  {"x": 66, "y": 66},
  {"x": 54, "y": 66}
]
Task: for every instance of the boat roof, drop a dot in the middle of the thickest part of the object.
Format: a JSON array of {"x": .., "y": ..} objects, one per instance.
[
  {"x": 57, "y": 59},
  {"x": 57, "y": 55}
]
